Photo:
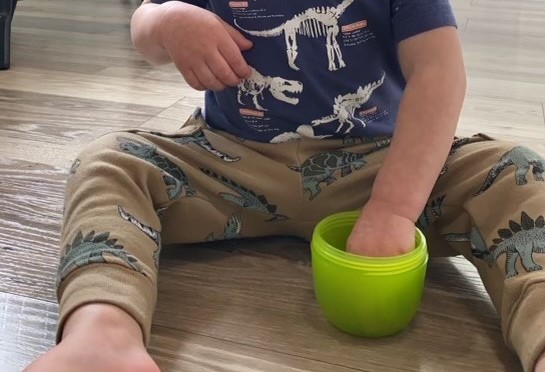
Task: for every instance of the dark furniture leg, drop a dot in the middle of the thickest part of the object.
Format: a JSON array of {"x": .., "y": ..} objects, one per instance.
[{"x": 7, "y": 8}]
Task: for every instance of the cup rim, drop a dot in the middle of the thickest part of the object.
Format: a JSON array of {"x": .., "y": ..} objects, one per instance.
[{"x": 379, "y": 265}]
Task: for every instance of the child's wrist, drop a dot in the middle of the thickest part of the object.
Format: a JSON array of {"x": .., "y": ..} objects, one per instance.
[{"x": 402, "y": 208}]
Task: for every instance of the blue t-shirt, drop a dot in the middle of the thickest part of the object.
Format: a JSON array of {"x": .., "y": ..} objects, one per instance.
[{"x": 321, "y": 68}]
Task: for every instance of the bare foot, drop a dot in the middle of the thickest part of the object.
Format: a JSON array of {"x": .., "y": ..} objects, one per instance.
[{"x": 99, "y": 338}]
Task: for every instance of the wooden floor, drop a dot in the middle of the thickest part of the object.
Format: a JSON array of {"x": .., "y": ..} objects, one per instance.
[{"x": 238, "y": 306}]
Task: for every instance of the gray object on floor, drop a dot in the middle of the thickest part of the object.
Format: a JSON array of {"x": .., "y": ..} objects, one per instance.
[{"x": 7, "y": 8}]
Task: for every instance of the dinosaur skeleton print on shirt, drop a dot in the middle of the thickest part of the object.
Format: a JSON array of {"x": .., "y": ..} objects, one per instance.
[
  {"x": 344, "y": 108},
  {"x": 258, "y": 92},
  {"x": 256, "y": 84},
  {"x": 320, "y": 68},
  {"x": 317, "y": 22}
]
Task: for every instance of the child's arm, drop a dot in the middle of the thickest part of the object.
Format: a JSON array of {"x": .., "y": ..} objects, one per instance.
[
  {"x": 428, "y": 115},
  {"x": 206, "y": 50}
]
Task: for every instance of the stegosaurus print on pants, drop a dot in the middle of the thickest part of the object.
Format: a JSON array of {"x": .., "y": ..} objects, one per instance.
[
  {"x": 232, "y": 229},
  {"x": 200, "y": 140},
  {"x": 432, "y": 211},
  {"x": 147, "y": 230},
  {"x": 174, "y": 178},
  {"x": 93, "y": 249},
  {"x": 523, "y": 159},
  {"x": 322, "y": 167},
  {"x": 518, "y": 242},
  {"x": 246, "y": 198}
]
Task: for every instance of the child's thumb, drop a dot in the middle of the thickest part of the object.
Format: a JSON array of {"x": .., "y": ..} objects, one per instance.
[{"x": 241, "y": 41}]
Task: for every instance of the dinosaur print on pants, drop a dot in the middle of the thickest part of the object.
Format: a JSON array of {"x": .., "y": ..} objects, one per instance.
[
  {"x": 518, "y": 242},
  {"x": 523, "y": 159},
  {"x": 174, "y": 178},
  {"x": 232, "y": 230},
  {"x": 246, "y": 198},
  {"x": 95, "y": 248},
  {"x": 432, "y": 211},
  {"x": 322, "y": 167},
  {"x": 149, "y": 231}
]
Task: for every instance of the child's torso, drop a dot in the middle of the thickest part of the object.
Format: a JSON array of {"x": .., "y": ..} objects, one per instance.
[{"x": 323, "y": 70}]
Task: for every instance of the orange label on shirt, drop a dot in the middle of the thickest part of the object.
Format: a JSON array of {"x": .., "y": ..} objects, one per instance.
[
  {"x": 370, "y": 111},
  {"x": 238, "y": 4},
  {"x": 354, "y": 26},
  {"x": 248, "y": 112}
]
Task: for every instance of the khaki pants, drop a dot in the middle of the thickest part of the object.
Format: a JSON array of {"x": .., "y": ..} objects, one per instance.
[{"x": 131, "y": 191}]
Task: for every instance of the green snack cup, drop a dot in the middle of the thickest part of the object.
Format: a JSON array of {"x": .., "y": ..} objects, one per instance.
[{"x": 365, "y": 296}]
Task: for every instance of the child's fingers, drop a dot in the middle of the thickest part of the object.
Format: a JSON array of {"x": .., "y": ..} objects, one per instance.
[
  {"x": 238, "y": 38},
  {"x": 207, "y": 78},
  {"x": 192, "y": 79},
  {"x": 222, "y": 70},
  {"x": 234, "y": 59},
  {"x": 189, "y": 75}
]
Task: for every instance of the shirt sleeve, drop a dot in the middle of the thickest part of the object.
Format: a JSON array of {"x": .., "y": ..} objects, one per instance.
[
  {"x": 200, "y": 3},
  {"x": 413, "y": 17}
]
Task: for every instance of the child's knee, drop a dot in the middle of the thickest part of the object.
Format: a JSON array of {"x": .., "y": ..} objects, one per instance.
[
  {"x": 111, "y": 156},
  {"x": 102, "y": 147}
]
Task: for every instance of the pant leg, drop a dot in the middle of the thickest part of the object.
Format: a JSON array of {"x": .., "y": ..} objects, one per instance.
[
  {"x": 129, "y": 191},
  {"x": 110, "y": 234},
  {"x": 489, "y": 206}
]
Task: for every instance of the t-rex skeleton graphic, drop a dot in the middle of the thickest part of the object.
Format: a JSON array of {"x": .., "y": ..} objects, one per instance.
[
  {"x": 313, "y": 22},
  {"x": 344, "y": 108},
  {"x": 278, "y": 87}
]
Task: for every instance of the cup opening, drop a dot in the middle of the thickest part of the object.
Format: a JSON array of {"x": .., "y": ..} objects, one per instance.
[{"x": 330, "y": 237}]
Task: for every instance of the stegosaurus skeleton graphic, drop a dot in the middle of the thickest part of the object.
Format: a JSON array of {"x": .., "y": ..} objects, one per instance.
[
  {"x": 313, "y": 22},
  {"x": 519, "y": 241},
  {"x": 344, "y": 107},
  {"x": 256, "y": 83}
]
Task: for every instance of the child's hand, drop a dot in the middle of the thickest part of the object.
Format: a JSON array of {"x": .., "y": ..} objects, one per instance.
[
  {"x": 205, "y": 49},
  {"x": 380, "y": 232}
]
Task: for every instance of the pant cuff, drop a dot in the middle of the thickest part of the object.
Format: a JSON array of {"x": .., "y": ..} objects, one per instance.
[
  {"x": 527, "y": 327},
  {"x": 109, "y": 284}
]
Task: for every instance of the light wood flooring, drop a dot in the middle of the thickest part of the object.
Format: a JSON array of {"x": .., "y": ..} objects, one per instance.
[{"x": 237, "y": 306}]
